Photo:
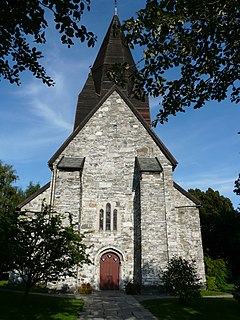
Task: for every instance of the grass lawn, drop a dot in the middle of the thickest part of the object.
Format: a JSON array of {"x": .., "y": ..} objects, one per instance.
[
  {"x": 199, "y": 309},
  {"x": 38, "y": 307},
  {"x": 212, "y": 293}
]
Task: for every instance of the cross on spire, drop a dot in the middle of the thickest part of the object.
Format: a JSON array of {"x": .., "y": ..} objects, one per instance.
[{"x": 115, "y": 8}]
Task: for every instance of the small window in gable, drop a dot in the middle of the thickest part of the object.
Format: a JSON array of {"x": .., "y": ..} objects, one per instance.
[
  {"x": 115, "y": 219},
  {"x": 108, "y": 216},
  {"x": 101, "y": 214}
]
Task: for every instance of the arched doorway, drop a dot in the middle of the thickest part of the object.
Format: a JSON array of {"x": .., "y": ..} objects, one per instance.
[{"x": 109, "y": 271}]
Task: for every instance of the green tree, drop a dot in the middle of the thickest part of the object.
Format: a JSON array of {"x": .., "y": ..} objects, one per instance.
[
  {"x": 8, "y": 193},
  {"x": 220, "y": 227},
  {"x": 10, "y": 197},
  {"x": 44, "y": 248},
  {"x": 8, "y": 202},
  {"x": 23, "y": 23},
  {"x": 180, "y": 279},
  {"x": 236, "y": 293},
  {"x": 198, "y": 40},
  {"x": 237, "y": 186},
  {"x": 237, "y": 189},
  {"x": 217, "y": 273},
  {"x": 24, "y": 194},
  {"x": 31, "y": 189}
]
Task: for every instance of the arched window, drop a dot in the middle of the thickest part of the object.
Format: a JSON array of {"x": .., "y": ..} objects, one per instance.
[
  {"x": 115, "y": 219},
  {"x": 108, "y": 216},
  {"x": 101, "y": 214}
]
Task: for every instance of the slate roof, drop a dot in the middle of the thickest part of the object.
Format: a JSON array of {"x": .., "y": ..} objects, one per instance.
[
  {"x": 70, "y": 163},
  {"x": 113, "y": 50},
  {"x": 149, "y": 165}
]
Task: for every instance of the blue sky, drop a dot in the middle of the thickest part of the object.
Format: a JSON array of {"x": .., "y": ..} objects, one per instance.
[{"x": 35, "y": 120}]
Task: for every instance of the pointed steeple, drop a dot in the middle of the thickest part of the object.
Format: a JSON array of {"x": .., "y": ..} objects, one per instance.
[{"x": 113, "y": 50}]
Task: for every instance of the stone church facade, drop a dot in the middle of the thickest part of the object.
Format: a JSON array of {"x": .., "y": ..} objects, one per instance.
[{"x": 116, "y": 177}]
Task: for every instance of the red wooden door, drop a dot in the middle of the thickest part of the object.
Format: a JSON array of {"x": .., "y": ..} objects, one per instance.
[{"x": 109, "y": 271}]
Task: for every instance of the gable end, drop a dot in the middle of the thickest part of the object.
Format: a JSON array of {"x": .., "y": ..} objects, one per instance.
[
  {"x": 159, "y": 143},
  {"x": 34, "y": 195},
  {"x": 186, "y": 193}
]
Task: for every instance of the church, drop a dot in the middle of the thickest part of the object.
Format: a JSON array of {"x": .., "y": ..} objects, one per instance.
[{"x": 115, "y": 176}]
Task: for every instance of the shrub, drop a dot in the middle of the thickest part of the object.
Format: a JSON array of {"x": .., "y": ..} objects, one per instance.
[
  {"x": 217, "y": 273},
  {"x": 211, "y": 283},
  {"x": 132, "y": 288},
  {"x": 180, "y": 279},
  {"x": 236, "y": 292},
  {"x": 85, "y": 288}
]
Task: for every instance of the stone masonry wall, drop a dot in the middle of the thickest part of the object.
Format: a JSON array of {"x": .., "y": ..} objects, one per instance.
[
  {"x": 110, "y": 141},
  {"x": 189, "y": 232},
  {"x": 68, "y": 193},
  {"x": 153, "y": 228}
]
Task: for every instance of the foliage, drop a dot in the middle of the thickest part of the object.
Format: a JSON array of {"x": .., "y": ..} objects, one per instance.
[
  {"x": 44, "y": 249},
  {"x": 23, "y": 24},
  {"x": 8, "y": 201},
  {"x": 211, "y": 283},
  {"x": 8, "y": 193},
  {"x": 39, "y": 307},
  {"x": 236, "y": 292},
  {"x": 24, "y": 194},
  {"x": 198, "y": 309},
  {"x": 31, "y": 189},
  {"x": 217, "y": 273},
  {"x": 10, "y": 197},
  {"x": 220, "y": 227},
  {"x": 180, "y": 279},
  {"x": 9, "y": 285},
  {"x": 209, "y": 293},
  {"x": 7, "y": 230},
  {"x": 198, "y": 40},
  {"x": 85, "y": 288},
  {"x": 237, "y": 188}
]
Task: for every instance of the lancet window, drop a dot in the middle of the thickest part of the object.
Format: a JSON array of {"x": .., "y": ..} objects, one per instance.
[
  {"x": 108, "y": 219},
  {"x": 108, "y": 216},
  {"x": 101, "y": 216},
  {"x": 115, "y": 219}
]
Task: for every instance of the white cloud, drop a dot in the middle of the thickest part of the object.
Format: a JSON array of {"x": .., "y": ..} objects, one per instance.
[
  {"x": 50, "y": 115},
  {"x": 47, "y": 106}
]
